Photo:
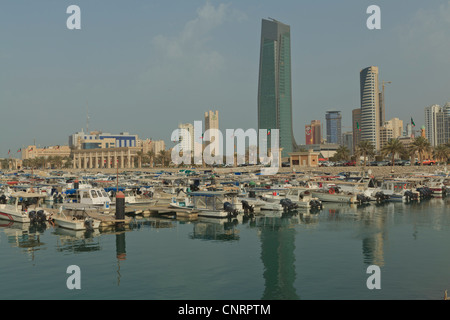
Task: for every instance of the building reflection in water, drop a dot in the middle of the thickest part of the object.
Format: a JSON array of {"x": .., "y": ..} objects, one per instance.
[{"x": 277, "y": 236}]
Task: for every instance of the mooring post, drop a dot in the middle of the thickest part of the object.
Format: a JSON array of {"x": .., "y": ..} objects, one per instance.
[{"x": 120, "y": 206}]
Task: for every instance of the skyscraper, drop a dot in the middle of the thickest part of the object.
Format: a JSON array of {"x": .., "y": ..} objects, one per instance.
[
  {"x": 211, "y": 122},
  {"x": 274, "y": 84},
  {"x": 333, "y": 119},
  {"x": 313, "y": 133},
  {"x": 431, "y": 123},
  {"x": 370, "y": 106}
]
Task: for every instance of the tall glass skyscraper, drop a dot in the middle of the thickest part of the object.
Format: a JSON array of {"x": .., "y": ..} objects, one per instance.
[
  {"x": 274, "y": 86},
  {"x": 333, "y": 119}
]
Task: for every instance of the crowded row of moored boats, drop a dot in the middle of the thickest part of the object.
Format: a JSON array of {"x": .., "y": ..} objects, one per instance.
[{"x": 68, "y": 200}]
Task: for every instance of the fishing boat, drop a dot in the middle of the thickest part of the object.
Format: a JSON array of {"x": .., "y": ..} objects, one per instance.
[
  {"x": 75, "y": 220},
  {"x": 88, "y": 196},
  {"x": 24, "y": 207},
  {"x": 335, "y": 194},
  {"x": 182, "y": 204},
  {"x": 400, "y": 191},
  {"x": 303, "y": 198},
  {"x": 215, "y": 204}
]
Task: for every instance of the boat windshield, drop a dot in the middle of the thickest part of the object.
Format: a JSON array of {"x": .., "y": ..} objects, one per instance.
[{"x": 93, "y": 194}]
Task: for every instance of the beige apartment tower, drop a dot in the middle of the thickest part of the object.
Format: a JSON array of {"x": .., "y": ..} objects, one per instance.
[
  {"x": 211, "y": 122},
  {"x": 370, "y": 106}
]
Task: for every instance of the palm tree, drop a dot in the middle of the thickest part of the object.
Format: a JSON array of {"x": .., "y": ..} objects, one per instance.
[
  {"x": 393, "y": 147},
  {"x": 164, "y": 157},
  {"x": 441, "y": 153},
  {"x": 151, "y": 156},
  {"x": 365, "y": 148},
  {"x": 342, "y": 153},
  {"x": 421, "y": 145},
  {"x": 140, "y": 155}
]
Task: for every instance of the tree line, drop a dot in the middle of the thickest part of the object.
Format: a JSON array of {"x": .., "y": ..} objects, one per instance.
[{"x": 394, "y": 147}]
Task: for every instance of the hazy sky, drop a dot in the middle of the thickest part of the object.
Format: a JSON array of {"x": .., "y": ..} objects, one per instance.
[{"x": 143, "y": 67}]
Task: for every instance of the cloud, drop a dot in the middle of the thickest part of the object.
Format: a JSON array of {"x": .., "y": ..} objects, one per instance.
[
  {"x": 189, "y": 50},
  {"x": 427, "y": 33}
]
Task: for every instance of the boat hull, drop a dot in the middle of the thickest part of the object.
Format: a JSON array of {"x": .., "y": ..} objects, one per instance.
[
  {"x": 74, "y": 224},
  {"x": 12, "y": 215}
]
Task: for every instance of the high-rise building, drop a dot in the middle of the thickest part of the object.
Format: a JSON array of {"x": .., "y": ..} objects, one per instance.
[
  {"x": 211, "y": 122},
  {"x": 274, "y": 84},
  {"x": 333, "y": 119},
  {"x": 356, "y": 126},
  {"x": 186, "y": 143},
  {"x": 431, "y": 126},
  {"x": 396, "y": 125},
  {"x": 313, "y": 133},
  {"x": 370, "y": 105},
  {"x": 347, "y": 140}
]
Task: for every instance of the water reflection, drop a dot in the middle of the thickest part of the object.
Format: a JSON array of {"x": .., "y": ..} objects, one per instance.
[
  {"x": 26, "y": 236},
  {"x": 277, "y": 237},
  {"x": 215, "y": 229}
]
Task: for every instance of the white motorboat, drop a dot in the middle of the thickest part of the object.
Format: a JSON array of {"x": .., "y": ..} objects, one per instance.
[
  {"x": 334, "y": 194},
  {"x": 303, "y": 198},
  {"x": 24, "y": 207},
  {"x": 400, "y": 191},
  {"x": 215, "y": 204},
  {"x": 88, "y": 196},
  {"x": 182, "y": 204},
  {"x": 75, "y": 220}
]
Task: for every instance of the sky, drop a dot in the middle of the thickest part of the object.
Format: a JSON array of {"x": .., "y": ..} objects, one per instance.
[{"x": 144, "y": 67}]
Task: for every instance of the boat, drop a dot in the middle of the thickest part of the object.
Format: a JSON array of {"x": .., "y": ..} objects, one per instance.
[
  {"x": 335, "y": 194},
  {"x": 75, "y": 220},
  {"x": 24, "y": 207},
  {"x": 215, "y": 204},
  {"x": 182, "y": 204},
  {"x": 88, "y": 196},
  {"x": 400, "y": 191},
  {"x": 303, "y": 198}
]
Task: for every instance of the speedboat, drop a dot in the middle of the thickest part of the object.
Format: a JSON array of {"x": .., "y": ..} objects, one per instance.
[
  {"x": 24, "y": 207},
  {"x": 215, "y": 204},
  {"x": 75, "y": 220}
]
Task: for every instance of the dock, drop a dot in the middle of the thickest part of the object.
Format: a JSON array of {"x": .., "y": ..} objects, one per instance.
[{"x": 161, "y": 209}]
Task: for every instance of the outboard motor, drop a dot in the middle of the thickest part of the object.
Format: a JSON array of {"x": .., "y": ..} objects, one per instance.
[
  {"x": 41, "y": 216},
  {"x": 362, "y": 198},
  {"x": 3, "y": 199},
  {"x": 228, "y": 207},
  {"x": 89, "y": 224},
  {"x": 315, "y": 204},
  {"x": 380, "y": 196},
  {"x": 247, "y": 208},
  {"x": 409, "y": 195},
  {"x": 288, "y": 205},
  {"x": 33, "y": 216}
]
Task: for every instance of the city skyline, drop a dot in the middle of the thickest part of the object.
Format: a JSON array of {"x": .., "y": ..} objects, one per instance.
[{"x": 144, "y": 68}]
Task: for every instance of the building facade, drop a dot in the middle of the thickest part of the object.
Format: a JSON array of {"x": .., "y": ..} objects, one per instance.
[
  {"x": 275, "y": 84},
  {"x": 211, "y": 122},
  {"x": 313, "y": 133},
  {"x": 431, "y": 125},
  {"x": 370, "y": 105},
  {"x": 333, "y": 120},
  {"x": 121, "y": 140},
  {"x": 32, "y": 152}
]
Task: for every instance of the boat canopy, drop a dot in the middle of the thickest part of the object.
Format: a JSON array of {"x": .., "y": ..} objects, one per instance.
[{"x": 28, "y": 195}]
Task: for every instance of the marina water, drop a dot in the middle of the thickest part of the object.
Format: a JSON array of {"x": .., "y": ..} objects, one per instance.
[{"x": 316, "y": 256}]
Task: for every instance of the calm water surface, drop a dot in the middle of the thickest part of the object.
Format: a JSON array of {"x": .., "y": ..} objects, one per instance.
[{"x": 320, "y": 256}]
